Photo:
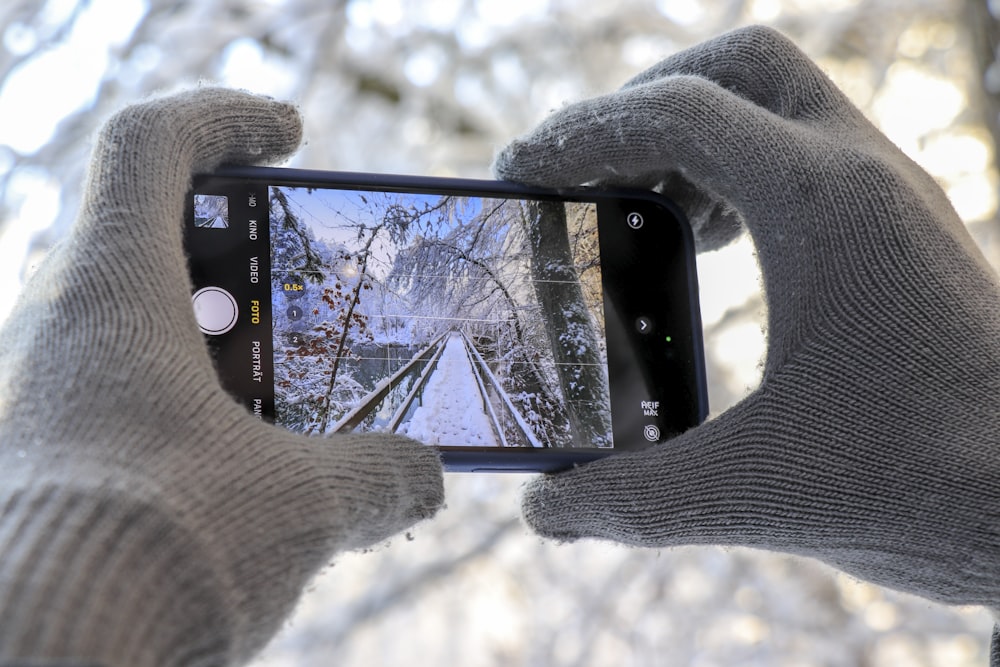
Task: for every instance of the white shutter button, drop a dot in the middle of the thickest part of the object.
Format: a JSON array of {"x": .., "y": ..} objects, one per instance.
[{"x": 215, "y": 310}]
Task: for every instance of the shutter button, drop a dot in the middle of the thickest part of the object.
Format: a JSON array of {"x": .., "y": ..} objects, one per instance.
[{"x": 215, "y": 309}]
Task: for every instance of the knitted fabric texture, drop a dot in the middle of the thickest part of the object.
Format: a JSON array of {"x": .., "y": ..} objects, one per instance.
[
  {"x": 145, "y": 517},
  {"x": 873, "y": 441}
]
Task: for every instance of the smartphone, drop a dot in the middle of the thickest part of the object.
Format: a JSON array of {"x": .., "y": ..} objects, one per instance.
[{"x": 516, "y": 329}]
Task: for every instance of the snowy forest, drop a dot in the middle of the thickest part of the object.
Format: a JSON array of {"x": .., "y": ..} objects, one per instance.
[
  {"x": 450, "y": 299},
  {"x": 435, "y": 87}
]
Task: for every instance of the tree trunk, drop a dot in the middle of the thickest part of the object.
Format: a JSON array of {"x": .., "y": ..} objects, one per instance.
[
  {"x": 983, "y": 24},
  {"x": 575, "y": 349}
]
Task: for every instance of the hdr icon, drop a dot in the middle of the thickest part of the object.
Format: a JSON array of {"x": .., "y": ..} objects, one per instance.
[{"x": 651, "y": 408}]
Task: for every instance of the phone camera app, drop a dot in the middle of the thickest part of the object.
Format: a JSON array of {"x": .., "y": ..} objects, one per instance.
[{"x": 437, "y": 317}]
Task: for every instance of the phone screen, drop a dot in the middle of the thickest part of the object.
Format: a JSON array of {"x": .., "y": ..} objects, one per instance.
[{"x": 510, "y": 328}]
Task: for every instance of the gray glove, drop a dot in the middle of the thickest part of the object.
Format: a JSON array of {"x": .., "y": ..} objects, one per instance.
[
  {"x": 145, "y": 517},
  {"x": 873, "y": 442}
]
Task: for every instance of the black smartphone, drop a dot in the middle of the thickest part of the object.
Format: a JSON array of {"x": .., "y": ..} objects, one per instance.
[{"x": 515, "y": 329}]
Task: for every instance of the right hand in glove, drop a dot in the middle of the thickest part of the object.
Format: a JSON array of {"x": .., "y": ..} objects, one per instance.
[{"x": 873, "y": 441}]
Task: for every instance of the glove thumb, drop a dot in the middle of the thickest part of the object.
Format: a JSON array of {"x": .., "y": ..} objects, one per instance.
[{"x": 700, "y": 487}]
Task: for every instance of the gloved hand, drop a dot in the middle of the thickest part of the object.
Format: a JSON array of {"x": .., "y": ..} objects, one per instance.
[
  {"x": 873, "y": 441},
  {"x": 145, "y": 517}
]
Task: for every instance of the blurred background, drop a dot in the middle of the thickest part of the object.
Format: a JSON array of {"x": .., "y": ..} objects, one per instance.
[{"x": 436, "y": 87}]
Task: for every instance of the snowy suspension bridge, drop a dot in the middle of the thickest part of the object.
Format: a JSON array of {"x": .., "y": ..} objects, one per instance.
[{"x": 454, "y": 399}]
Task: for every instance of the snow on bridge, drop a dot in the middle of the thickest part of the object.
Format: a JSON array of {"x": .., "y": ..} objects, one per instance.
[
  {"x": 451, "y": 412},
  {"x": 455, "y": 401}
]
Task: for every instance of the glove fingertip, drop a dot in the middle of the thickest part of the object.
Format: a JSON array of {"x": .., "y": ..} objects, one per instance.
[
  {"x": 428, "y": 482},
  {"x": 517, "y": 162},
  {"x": 274, "y": 127},
  {"x": 540, "y": 509},
  {"x": 414, "y": 467}
]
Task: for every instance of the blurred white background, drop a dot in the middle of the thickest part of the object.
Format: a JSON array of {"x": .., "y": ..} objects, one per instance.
[{"x": 435, "y": 87}]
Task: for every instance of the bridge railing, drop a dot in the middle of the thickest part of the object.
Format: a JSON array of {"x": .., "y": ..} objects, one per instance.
[
  {"x": 489, "y": 384},
  {"x": 496, "y": 404},
  {"x": 374, "y": 398}
]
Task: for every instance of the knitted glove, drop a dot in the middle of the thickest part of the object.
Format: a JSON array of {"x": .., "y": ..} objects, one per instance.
[
  {"x": 873, "y": 441},
  {"x": 145, "y": 517}
]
